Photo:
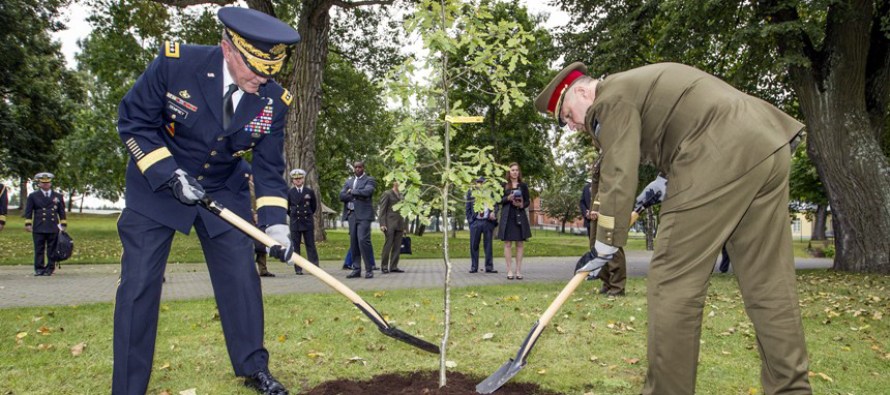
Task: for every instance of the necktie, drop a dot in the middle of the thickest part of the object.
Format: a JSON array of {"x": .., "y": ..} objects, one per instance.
[
  {"x": 46, "y": 194},
  {"x": 228, "y": 107}
]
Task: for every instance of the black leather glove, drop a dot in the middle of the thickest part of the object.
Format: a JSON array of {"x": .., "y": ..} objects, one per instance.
[{"x": 185, "y": 188}]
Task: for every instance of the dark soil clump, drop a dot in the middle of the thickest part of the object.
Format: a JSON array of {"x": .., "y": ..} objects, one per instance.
[{"x": 420, "y": 383}]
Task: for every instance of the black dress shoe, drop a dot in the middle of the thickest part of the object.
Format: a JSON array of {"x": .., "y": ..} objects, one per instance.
[
  {"x": 267, "y": 274},
  {"x": 355, "y": 273},
  {"x": 369, "y": 275},
  {"x": 397, "y": 271},
  {"x": 346, "y": 268},
  {"x": 299, "y": 273},
  {"x": 384, "y": 271},
  {"x": 491, "y": 271},
  {"x": 375, "y": 268},
  {"x": 264, "y": 383},
  {"x": 38, "y": 273},
  {"x": 474, "y": 270}
]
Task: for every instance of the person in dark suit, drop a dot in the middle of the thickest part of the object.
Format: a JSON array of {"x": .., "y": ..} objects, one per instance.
[
  {"x": 614, "y": 274},
  {"x": 301, "y": 205},
  {"x": 44, "y": 216},
  {"x": 356, "y": 194},
  {"x": 393, "y": 225},
  {"x": 186, "y": 123},
  {"x": 727, "y": 157},
  {"x": 482, "y": 224},
  {"x": 513, "y": 225},
  {"x": 4, "y": 205}
]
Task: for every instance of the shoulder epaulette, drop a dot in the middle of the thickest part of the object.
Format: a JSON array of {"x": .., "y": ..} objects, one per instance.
[
  {"x": 287, "y": 97},
  {"x": 171, "y": 49}
]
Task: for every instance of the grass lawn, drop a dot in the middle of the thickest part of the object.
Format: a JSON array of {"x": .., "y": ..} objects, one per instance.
[
  {"x": 96, "y": 241},
  {"x": 593, "y": 345}
]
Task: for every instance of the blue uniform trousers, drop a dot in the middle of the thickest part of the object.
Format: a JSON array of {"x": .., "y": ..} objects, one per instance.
[
  {"x": 239, "y": 298},
  {"x": 360, "y": 243},
  {"x": 44, "y": 244},
  {"x": 481, "y": 229}
]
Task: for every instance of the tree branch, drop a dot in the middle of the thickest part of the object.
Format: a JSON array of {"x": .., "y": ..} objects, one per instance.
[
  {"x": 186, "y": 3},
  {"x": 792, "y": 41},
  {"x": 877, "y": 70},
  {"x": 355, "y": 4}
]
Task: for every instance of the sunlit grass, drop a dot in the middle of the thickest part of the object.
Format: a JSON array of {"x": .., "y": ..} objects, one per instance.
[
  {"x": 594, "y": 344},
  {"x": 96, "y": 241}
]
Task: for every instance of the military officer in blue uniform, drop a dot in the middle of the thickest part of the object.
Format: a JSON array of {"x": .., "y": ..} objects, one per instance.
[
  {"x": 44, "y": 216},
  {"x": 186, "y": 123},
  {"x": 4, "y": 204},
  {"x": 482, "y": 224},
  {"x": 301, "y": 206}
]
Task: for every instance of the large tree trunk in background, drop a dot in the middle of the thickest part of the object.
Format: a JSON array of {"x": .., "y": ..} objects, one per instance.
[
  {"x": 820, "y": 219},
  {"x": 23, "y": 193},
  {"x": 843, "y": 95},
  {"x": 310, "y": 58}
]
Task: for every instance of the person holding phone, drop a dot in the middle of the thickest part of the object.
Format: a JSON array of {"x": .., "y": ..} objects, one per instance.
[{"x": 513, "y": 225}]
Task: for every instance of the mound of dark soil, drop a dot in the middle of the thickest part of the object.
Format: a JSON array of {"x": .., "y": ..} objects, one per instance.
[{"x": 420, "y": 383}]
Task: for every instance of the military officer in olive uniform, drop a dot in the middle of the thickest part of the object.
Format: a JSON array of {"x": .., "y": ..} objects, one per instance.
[
  {"x": 726, "y": 156},
  {"x": 44, "y": 215},
  {"x": 301, "y": 205},
  {"x": 614, "y": 275},
  {"x": 4, "y": 204},
  {"x": 393, "y": 225},
  {"x": 186, "y": 123}
]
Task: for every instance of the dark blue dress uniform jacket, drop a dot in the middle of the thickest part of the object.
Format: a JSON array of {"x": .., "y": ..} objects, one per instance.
[
  {"x": 44, "y": 214},
  {"x": 172, "y": 118},
  {"x": 301, "y": 207}
]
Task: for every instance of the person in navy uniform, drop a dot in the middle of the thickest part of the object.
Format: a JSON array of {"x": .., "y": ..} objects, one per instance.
[
  {"x": 4, "y": 204},
  {"x": 482, "y": 224},
  {"x": 301, "y": 206},
  {"x": 186, "y": 123},
  {"x": 356, "y": 194},
  {"x": 44, "y": 217}
]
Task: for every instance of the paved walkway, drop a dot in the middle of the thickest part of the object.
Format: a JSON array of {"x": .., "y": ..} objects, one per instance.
[{"x": 80, "y": 284}]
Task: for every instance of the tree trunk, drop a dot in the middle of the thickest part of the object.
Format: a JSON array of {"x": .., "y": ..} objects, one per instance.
[
  {"x": 820, "y": 223},
  {"x": 843, "y": 93},
  {"x": 310, "y": 58},
  {"x": 23, "y": 193}
]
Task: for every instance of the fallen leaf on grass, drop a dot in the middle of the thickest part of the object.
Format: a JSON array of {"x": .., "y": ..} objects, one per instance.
[
  {"x": 78, "y": 349},
  {"x": 632, "y": 361},
  {"x": 379, "y": 294},
  {"x": 594, "y": 358},
  {"x": 282, "y": 338},
  {"x": 450, "y": 364},
  {"x": 44, "y": 331},
  {"x": 165, "y": 366},
  {"x": 357, "y": 360},
  {"x": 314, "y": 354},
  {"x": 44, "y": 347},
  {"x": 821, "y": 375},
  {"x": 190, "y": 391},
  {"x": 487, "y": 336},
  {"x": 21, "y": 335}
]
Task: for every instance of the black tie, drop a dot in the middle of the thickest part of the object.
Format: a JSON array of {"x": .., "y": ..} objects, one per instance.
[{"x": 228, "y": 107}]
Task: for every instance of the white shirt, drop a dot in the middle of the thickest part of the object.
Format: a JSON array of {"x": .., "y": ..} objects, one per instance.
[{"x": 228, "y": 80}]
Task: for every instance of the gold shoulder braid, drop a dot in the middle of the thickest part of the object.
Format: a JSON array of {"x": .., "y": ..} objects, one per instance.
[{"x": 270, "y": 62}]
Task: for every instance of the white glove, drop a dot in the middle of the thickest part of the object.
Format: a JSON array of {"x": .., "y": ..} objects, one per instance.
[
  {"x": 593, "y": 261},
  {"x": 653, "y": 194},
  {"x": 283, "y": 251},
  {"x": 185, "y": 188}
]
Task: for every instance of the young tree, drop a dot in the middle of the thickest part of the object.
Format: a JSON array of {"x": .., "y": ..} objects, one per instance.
[{"x": 422, "y": 139}]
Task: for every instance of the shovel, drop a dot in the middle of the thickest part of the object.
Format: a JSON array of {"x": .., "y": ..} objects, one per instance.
[
  {"x": 252, "y": 231},
  {"x": 509, "y": 369}
]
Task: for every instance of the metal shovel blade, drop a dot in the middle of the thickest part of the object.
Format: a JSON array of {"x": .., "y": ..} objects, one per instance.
[
  {"x": 399, "y": 334},
  {"x": 396, "y": 333},
  {"x": 500, "y": 377}
]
